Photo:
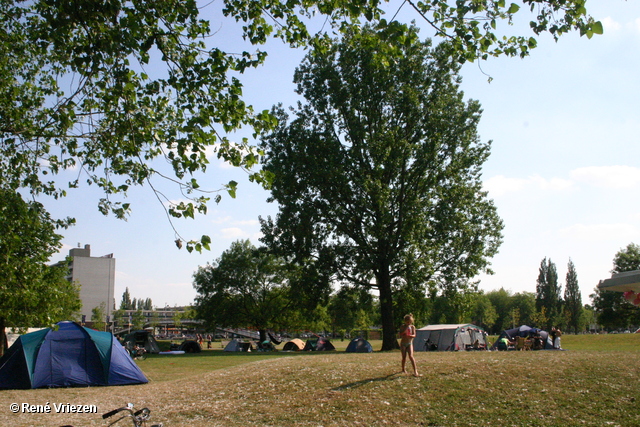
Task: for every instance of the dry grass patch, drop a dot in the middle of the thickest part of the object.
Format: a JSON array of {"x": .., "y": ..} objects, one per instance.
[{"x": 545, "y": 388}]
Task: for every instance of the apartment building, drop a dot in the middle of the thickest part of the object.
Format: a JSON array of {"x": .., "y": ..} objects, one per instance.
[{"x": 96, "y": 277}]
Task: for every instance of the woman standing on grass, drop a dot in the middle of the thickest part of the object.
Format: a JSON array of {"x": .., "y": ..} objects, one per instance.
[{"x": 407, "y": 334}]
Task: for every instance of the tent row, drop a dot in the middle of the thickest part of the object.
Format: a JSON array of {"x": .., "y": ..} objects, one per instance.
[{"x": 357, "y": 345}]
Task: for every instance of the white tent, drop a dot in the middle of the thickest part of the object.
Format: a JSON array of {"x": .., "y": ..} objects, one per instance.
[{"x": 451, "y": 337}]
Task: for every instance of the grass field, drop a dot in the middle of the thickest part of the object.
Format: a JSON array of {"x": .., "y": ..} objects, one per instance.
[{"x": 596, "y": 382}]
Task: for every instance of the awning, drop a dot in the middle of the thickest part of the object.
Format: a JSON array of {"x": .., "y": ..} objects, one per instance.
[{"x": 622, "y": 282}]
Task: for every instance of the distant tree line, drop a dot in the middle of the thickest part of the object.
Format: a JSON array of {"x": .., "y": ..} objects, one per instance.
[
  {"x": 133, "y": 304},
  {"x": 248, "y": 287}
]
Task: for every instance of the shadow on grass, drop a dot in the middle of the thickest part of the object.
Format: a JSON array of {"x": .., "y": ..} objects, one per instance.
[{"x": 360, "y": 383}]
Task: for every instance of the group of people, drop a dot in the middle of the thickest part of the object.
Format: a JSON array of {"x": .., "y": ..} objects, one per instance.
[
  {"x": 537, "y": 341},
  {"x": 200, "y": 338}
]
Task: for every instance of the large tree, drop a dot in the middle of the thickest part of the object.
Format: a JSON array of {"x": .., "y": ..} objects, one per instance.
[
  {"x": 245, "y": 287},
  {"x": 548, "y": 293},
  {"x": 31, "y": 292},
  {"x": 106, "y": 87},
  {"x": 573, "y": 299},
  {"x": 380, "y": 167}
]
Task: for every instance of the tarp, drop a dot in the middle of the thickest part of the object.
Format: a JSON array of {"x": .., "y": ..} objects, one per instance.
[
  {"x": 66, "y": 356},
  {"x": 319, "y": 344},
  {"x": 527, "y": 332},
  {"x": 293, "y": 345},
  {"x": 359, "y": 345},
  {"x": 450, "y": 337},
  {"x": 274, "y": 340},
  {"x": 142, "y": 339}
]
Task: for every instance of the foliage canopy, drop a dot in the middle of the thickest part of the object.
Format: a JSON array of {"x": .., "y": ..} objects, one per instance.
[
  {"x": 125, "y": 91},
  {"x": 31, "y": 292}
]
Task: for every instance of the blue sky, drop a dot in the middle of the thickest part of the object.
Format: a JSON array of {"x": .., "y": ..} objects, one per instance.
[{"x": 564, "y": 170}]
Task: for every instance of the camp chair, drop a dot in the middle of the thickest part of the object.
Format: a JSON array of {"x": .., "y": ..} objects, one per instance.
[
  {"x": 520, "y": 343},
  {"x": 528, "y": 345}
]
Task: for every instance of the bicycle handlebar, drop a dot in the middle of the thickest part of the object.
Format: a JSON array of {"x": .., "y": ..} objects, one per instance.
[{"x": 112, "y": 413}]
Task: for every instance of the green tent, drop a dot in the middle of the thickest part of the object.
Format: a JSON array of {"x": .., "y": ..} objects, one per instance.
[{"x": 67, "y": 356}]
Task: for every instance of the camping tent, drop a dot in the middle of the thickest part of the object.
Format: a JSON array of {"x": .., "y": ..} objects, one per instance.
[
  {"x": 319, "y": 344},
  {"x": 190, "y": 346},
  {"x": 235, "y": 345},
  {"x": 464, "y": 336},
  {"x": 526, "y": 332},
  {"x": 295, "y": 344},
  {"x": 66, "y": 356},
  {"x": 359, "y": 345},
  {"x": 142, "y": 339}
]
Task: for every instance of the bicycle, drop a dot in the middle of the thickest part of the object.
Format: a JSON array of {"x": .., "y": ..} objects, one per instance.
[{"x": 139, "y": 418}]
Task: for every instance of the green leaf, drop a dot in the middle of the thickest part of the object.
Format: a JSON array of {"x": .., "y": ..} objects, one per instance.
[
  {"x": 596, "y": 27},
  {"x": 206, "y": 242},
  {"x": 231, "y": 188},
  {"x": 513, "y": 8}
]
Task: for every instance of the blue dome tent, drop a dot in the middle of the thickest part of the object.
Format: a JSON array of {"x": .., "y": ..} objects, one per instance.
[
  {"x": 68, "y": 355},
  {"x": 359, "y": 345}
]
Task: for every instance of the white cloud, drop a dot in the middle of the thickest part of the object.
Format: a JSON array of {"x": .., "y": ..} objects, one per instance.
[
  {"x": 222, "y": 219},
  {"x": 250, "y": 222},
  {"x": 553, "y": 184},
  {"x": 500, "y": 185},
  {"x": 615, "y": 177},
  {"x": 610, "y": 24},
  {"x": 600, "y": 232},
  {"x": 612, "y": 177},
  {"x": 233, "y": 233}
]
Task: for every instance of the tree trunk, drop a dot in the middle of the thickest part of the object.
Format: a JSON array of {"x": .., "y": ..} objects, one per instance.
[
  {"x": 3, "y": 337},
  {"x": 263, "y": 335},
  {"x": 389, "y": 340}
]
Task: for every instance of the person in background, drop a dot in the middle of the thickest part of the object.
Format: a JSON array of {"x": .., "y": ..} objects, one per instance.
[
  {"x": 504, "y": 343},
  {"x": 556, "y": 341}
]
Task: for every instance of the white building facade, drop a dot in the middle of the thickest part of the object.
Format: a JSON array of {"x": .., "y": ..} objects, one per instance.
[{"x": 96, "y": 278}]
